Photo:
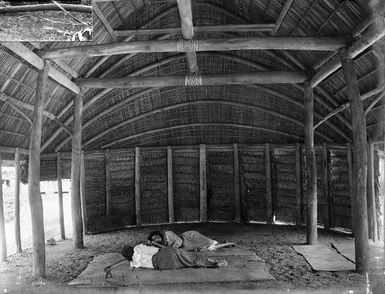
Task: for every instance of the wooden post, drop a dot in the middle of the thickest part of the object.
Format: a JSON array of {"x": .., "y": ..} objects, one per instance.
[
  {"x": 82, "y": 192},
  {"x": 170, "y": 186},
  {"x": 372, "y": 217},
  {"x": 237, "y": 198},
  {"x": 269, "y": 195},
  {"x": 77, "y": 223},
  {"x": 137, "y": 186},
  {"x": 311, "y": 170},
  {"x": 35, "y": 201},
  {"x": 108, "y": 181},
  {"x": 203, "y": 183},
  {"x": 17, "y": 201},
  {"x": 350, "y": 175},
  {"x": 359, "y": 164},
  {"x": 60, "y": 195},
  {"x": 3, "y": 239},
  {"x": 325, "y": 183},
  {"x": 298, "y": 219}
]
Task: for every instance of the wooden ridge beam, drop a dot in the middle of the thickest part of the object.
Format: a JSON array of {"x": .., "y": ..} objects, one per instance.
[
  {"x": 46, "y": 7},
  {"x": 266, "y": 77},
  {"x": 255, "y": 43},
  {"x": 12, "y": 150},
  {"x": 237, "y": 28},
  {"x": 37, "y": 62}
]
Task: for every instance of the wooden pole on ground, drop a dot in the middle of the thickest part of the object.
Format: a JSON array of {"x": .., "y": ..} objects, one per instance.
[
  {"x": 359, "y": 164},
  {"x": 269, "y": 195},
  {"x": 170, "y": 186},
  {"x": 372, "y": 218},
  {"x": 311, "y": 169},
  {"x": 3, "y": 239},
  {"x": 35, "y": 201},
  {"x": 60, "y": 195},
  {"x": 325, "y": 184},
  {"x": 203, "y": 183},
  {"x": 298, "y": 219},
  {"x": 77, "y": 223},
  {"x": 17, "y": 202},
  {"x": 137, "y": 186},
  {"x": 237, "y": 198}
]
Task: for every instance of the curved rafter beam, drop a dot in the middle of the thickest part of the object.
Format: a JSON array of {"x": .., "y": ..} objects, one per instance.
[
  {"x": 169, "y": 59},
  {"x": 45, "y": 7},
  {"x": 198, "y": 102},
  {"x": 194, "y": 125}
]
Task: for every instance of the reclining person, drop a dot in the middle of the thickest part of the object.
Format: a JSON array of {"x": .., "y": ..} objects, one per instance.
[
  {"x": 189, "y": 240},
  {"x": 163, "y": 258}
]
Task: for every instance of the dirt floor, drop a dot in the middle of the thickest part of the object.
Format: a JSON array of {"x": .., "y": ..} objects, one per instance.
[
  {"x": 271, "y": 243},
  {"x": 41, "y": 25}
]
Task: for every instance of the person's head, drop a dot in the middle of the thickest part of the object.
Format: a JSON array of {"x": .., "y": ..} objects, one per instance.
[
  {"x": 156, "y": 236},
  {"x": 127, "y": 252}
]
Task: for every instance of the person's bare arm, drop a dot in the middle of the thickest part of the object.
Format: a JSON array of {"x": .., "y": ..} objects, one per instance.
[
  {"x": 156, "y": 244},
  {"x": 107, "y": 269}
]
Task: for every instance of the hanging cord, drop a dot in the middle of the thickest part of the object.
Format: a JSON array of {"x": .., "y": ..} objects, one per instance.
[{"x": 69, "y": 14}]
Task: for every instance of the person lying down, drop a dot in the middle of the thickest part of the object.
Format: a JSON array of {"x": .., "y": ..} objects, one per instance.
[
  {"x": 189, "y": 240},
  {"x": 165, "y": 258}
]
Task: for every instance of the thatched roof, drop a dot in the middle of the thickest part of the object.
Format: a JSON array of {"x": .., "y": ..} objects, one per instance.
[{"x": 116, "y": 118}]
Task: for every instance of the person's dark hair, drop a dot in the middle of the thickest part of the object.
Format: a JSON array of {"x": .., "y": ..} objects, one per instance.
[
  {"x": 127, "y": 252},
  {"x": 154, "y": 233}
]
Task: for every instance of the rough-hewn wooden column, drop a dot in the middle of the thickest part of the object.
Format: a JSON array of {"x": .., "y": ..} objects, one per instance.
[
  {"x": 137, "y": 186},
  {"x": 237, "y": 197},
  {"x": 17, "y": 201},
  {"x": 3, "y": 239},
  {"x": 311, "y": 170},
  {"x": 77, "y": 222},
  {"x": 372, "y": 218},
  {"x": 35, "y": 201},
  {"x": 359, "y": 164},
  {"x": 298, "y": 214},
  {"x": 60, "y": 196},
  {"x": 325, "y": 184},
  {"x": 108, "y": 181},
  {"x": 269, "y": 194},
  {"x": 170, "y": 186},
  {"x": 203, "y": 183}
]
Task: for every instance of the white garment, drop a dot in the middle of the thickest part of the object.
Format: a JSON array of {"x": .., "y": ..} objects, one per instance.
[{"x": 143, "y": 256}]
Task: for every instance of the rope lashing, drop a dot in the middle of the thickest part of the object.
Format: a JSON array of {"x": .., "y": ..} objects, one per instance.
[
  {"x": 193, "y": 80},
  {"x": 187, "y": 45}
]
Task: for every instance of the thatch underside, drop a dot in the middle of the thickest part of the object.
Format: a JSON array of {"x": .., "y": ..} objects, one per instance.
[{"x": 247, "y": 114}]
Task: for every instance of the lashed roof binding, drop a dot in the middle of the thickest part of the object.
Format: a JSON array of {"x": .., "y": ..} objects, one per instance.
[{"x": 116, "y": 118}]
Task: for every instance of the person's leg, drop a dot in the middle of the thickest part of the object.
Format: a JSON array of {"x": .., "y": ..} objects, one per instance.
[{"x": 223, "y": 245}]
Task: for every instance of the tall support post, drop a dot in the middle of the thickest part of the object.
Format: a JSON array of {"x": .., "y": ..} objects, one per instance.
[
  {"x": 350, "y": 176},
  {"x": 137, "y": 186},
  {"x": 311, "y": 170},
  {"x": 3, "y": 239},
  {"x": 298, "y": 219},
  {"x": 372, "y": 219},
  {"x": 35, "y": 201},
  {"x": 77, "y": 223},
  {"x": 60, "y": 196},
  {"x": 170, "y": 186},
  {"x": 325, "y": 184},
  {"x": 269, "y": 195},
  {"x": 203, "y": 183},
  {"x": 237, "y": 198},
  {"x": 82, "y": 192},
  {"x": 17, "y": 201},
  {"x": 108, "y": 181},
  {"x": 359, "y": 164}
]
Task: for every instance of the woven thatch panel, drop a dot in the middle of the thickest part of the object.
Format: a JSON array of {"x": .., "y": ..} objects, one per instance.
[
  {"x": 153, "y": 186},
  {"x": 48, "y": 171},
  {"x": 339, "y": 188},
  {"x": 122, "y": 185},
  {"x": 220, "y": 185},
  {"x": 95, "y": 184},
  {"x": 186, "y": 185},
  {"x": 284, "y": 182},
  {"x": 253, "y": 183}
]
